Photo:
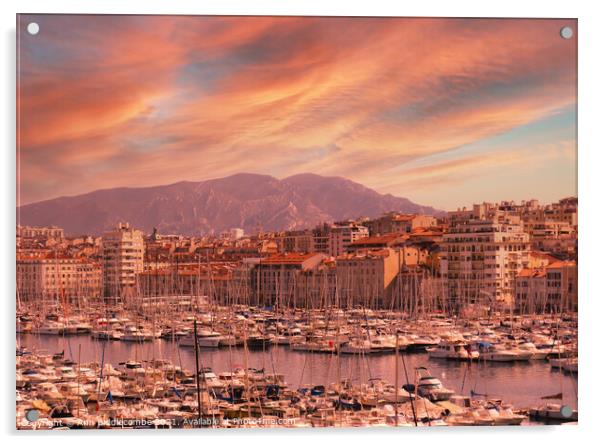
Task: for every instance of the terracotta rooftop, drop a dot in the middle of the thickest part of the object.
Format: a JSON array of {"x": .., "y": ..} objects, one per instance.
[
  {"x": 369, "y": 255},
  {"x": 562, "y": 264},
  {"x": 49, "y": 257},
  {"x": 424, "y": 231},
  {"x": 543, "y": 255},
  {"x": 531, "y": 272},
  {"x": 404, "y": 217},
  {"x": 288, "y": 258},
  {"x": 379, "y": 240}
]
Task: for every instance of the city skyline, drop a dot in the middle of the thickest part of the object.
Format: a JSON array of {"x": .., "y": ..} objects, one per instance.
[{"x": 472, "y": 110}]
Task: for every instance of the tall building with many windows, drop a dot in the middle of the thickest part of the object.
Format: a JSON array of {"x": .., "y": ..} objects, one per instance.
[
  {"x": 123, "y": 257},
  {"x": 481, "y": 257}
]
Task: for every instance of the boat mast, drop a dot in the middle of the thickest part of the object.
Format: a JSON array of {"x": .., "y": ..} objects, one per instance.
[
  {"x": 198, "y": 386},
  {"x": 396, "y": 374},
  {"x": 403, "y": 361}
]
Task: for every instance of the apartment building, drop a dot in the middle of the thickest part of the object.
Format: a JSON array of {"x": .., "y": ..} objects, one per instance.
[
  {"x": 481, "y": 257},
  {"x": 54, "y": 278},
  {"x": 191, "y": 282},
  {"x": 399, "y": 223},
  {"x": 341, "y": 236},
  {"x": 123, "y": 259},
  {"x": 367, "y": 278},
  {"x": 274, "y": 279},
  {"x": 321, "y": 239},
  {"x": 552, "y": 288},
  {"x": 317, "y": 286},
  {"x": 561, "y": 286},
  {"x": 299, "y": 241},
  {"x": 551, "y": 228},
  {"x": 390, "y": 240},
  {"x": 530, "y": 291},
  {"x": 40, "y": 232},
  {"x": 557, "y": 237}
]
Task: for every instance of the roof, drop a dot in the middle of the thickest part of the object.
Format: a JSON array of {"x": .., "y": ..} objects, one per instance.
[
  {"x": 288, "y": 258},
  {"x": 424, "y": 231},
  {"x": 379, "y": 240},
  {"x": 562, "y": 264},
  {"x": 404, "y": 217},
  {"x": 51, "y": 256},
  {"x": 531, "y": 272},
  {"x": 203, "y": 270},
  {"x": 543, "y": 255},
  {"x": 373, "y": 254}
]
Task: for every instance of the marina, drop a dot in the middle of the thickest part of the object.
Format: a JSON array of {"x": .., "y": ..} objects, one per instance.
[{"x": 357, "y": 371}]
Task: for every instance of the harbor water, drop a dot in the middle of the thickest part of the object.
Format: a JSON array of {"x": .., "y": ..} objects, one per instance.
[{"x": 523, "y": 384}]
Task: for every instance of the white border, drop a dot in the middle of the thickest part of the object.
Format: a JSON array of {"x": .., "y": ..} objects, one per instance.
[{"x": 590, "y": 100}]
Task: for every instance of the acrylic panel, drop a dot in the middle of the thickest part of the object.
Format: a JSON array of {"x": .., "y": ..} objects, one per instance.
[{"x": 246, "y": 221}]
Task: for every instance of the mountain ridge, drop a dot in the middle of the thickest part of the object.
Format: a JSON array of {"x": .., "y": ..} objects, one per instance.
[{"x": 246, "y": 200}]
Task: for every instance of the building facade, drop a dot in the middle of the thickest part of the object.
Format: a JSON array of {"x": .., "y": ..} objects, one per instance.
[
  {"x": 341, "y": 236},
  {"x": 530, "y": 291},
  {"x": 40, "y": 232},
  {"x": 366, "y": 278},
  {"x": 300, "y": 241},
  {"x": 561, "y": 286},
  {"x": 58, "y": 279},
  {"x": 399, "y": 223},
  {"x": 481, "y": 258},
  {"x": 552, "y": 288},
  {"x": 274, "y": 280},
  {"x": 123, "y": 259}
]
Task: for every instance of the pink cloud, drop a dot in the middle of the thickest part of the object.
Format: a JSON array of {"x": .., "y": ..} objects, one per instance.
[{"x": 141, "y": 101}]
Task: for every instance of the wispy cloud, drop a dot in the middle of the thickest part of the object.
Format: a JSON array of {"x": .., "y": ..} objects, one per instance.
[{"x": 113, "y": 101}]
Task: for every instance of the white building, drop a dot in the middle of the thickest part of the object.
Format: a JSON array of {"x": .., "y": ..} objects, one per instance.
[
  {"x": 481, "y": 257},
  {"x": 40, "y": 232},
  {"x": 237, "y": 233},
  {"x": 341, "y": 236},
  {"x": 123, "y": 255}
]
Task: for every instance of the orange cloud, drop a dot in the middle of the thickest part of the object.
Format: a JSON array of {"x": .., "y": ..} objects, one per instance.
[{"x": 147, "y": 100}]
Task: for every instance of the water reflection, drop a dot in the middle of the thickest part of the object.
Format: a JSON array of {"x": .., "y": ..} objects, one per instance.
[{"x": 521, "y": 383}]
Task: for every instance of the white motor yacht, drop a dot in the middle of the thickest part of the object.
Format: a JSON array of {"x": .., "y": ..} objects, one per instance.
[
  {"x": 51, "y": 328},
  {"x": 48, "y": 392},
  {"x": 66, "y": 374},
  {"x": 430, "y": 387},
  {"x": 357, "y": 346},
  {"x": 537, "y": 354},
  {"x": 205, "y": 338},
  {"x": 382, "y": 344},
  {"x": 133, "y": 369},
  {"x": 504, "y": 415},
  {"x": 455, "y": 350},
  {"x": 496, "y": 353},
  {"x": 209, "y": 338},
  {"x": 132, "y": 334}
]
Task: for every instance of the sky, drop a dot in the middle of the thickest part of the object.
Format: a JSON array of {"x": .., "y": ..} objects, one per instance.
[{"x": 445, "y": 112}]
